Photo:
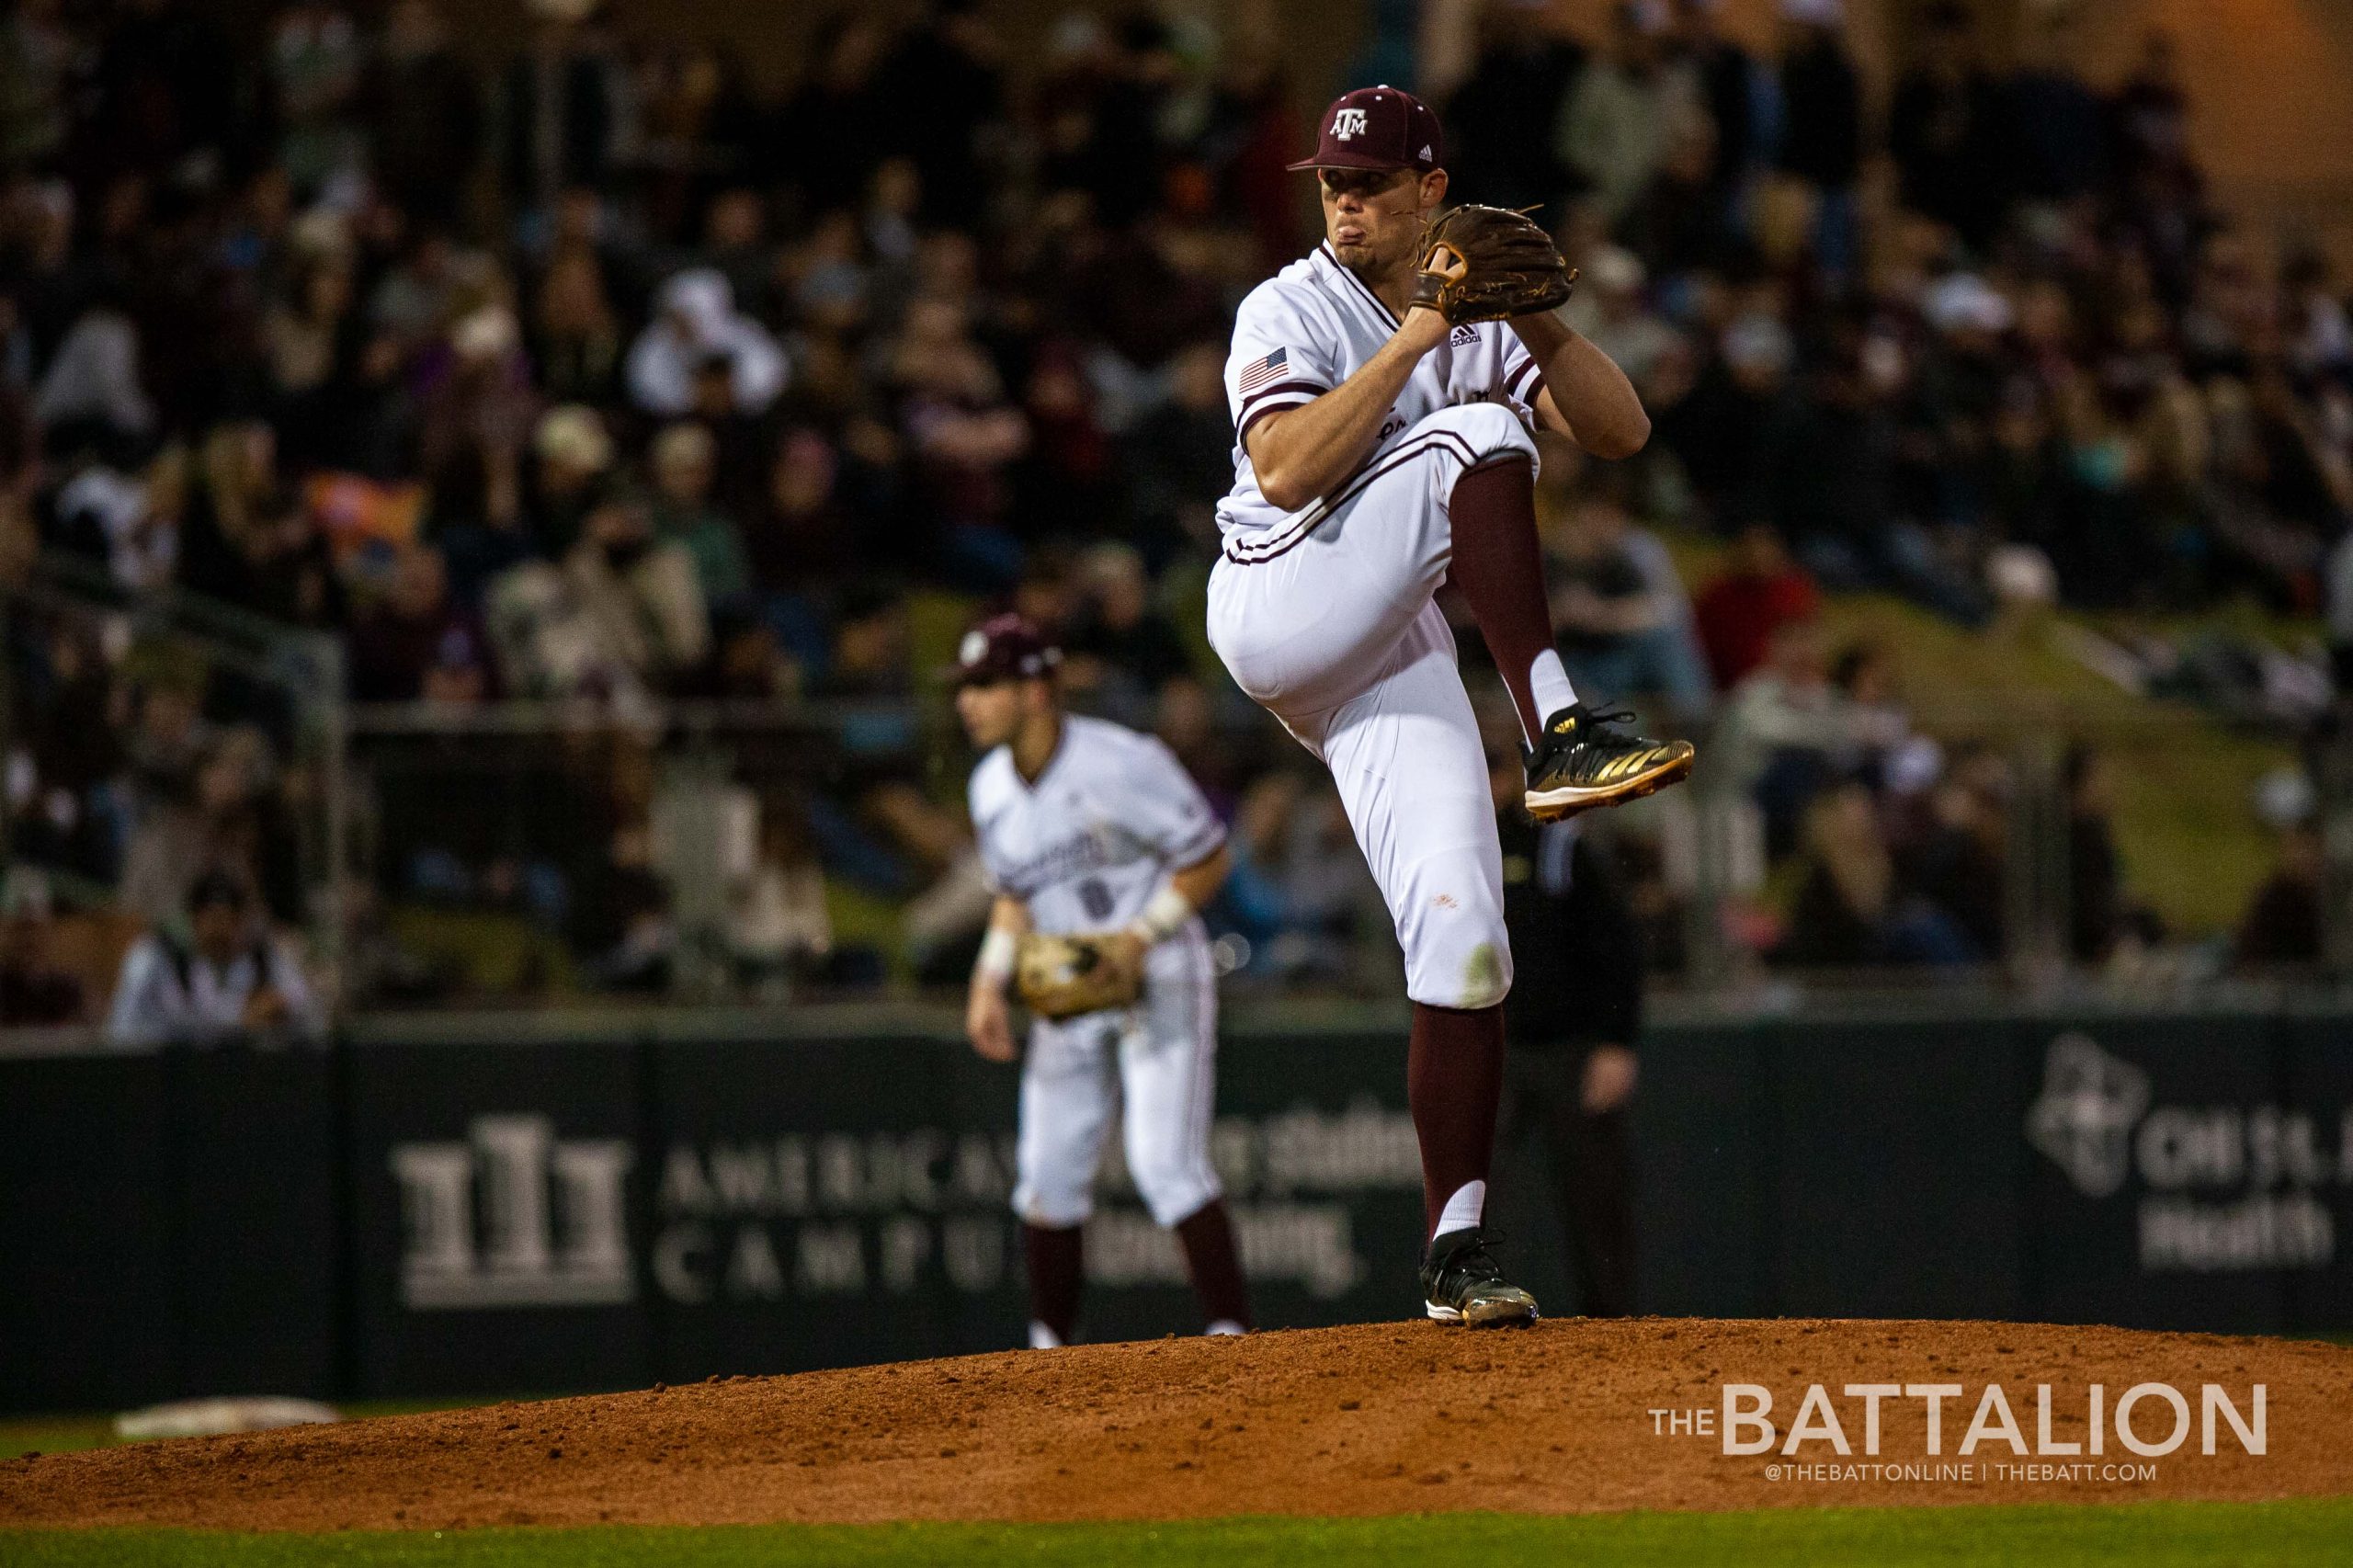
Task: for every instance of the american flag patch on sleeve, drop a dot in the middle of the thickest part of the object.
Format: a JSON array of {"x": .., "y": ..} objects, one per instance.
[{"x": 1259, "y": 372}]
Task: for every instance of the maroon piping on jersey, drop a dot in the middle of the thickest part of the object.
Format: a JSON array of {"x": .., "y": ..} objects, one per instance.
[
  {"x": 1342, "y": 267},
  {"x": 1526, "y": 365},
  {"x": 1286, "y": 395},
  {"x": 1308, "y": 522}
]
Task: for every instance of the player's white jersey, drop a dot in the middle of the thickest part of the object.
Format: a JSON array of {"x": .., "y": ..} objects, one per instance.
[
  {"x": 1086, "y": 845},
  {"x": 1311, "y": 326}
]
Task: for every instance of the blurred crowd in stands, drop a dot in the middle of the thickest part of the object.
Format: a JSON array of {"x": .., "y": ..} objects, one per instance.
[{"x": 596, "y": 376}]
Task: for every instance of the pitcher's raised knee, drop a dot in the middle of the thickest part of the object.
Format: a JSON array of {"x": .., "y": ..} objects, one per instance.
[{"x": 1480, "y": 432}]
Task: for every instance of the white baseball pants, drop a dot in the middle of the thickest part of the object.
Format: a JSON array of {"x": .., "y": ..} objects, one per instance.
[
  {"x": 1328, "y": 621},
  {"x": 1157, "y": 1059}
]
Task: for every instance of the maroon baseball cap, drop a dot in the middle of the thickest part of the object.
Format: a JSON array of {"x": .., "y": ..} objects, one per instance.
[
  {"x": 1005, "y": 647},
  {"x": 1377, "y": 128}
]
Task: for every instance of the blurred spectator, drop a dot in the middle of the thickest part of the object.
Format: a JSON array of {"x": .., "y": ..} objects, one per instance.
[
  {"x": 212, "y": 811},
  {"x": 1758, "y": 591},
  {"x": 1622, "y": 109},
  {"x": 1726, "y": 83},
  {"x": 619, "y": 615},
  {"x": 315, "y": 55},
  {"x": 684, "y": 463},
  {"x": 2102, "y": 916},
  {"x": 870, "y": 653},
  {"x": 1822, "y": 122},
  {"x": 424, "y": 115},
  {"x": 1623, "y": 327},
  {"x": 960, "y": 428},
  {"x": 699, "y": 332},
  {"x": 37, "y": 65},
  {"x": 416, "y": 643},
  {"x": 1944, "y": 130},
  {"x": 807, "y": 535},
  {"x": 778, "y": 926},
  {"x": 1118, "y": 649},
  {"x": 2057, "y": 127},
  {"x": 1179, "y": 457},
  {"x": 66, "y": 753},
  {"x": 573, "y": 453},
  {"x": 1624, "y": 623},
  {"x": 1676, "y": 225},
  {"x": 1520, "y": 79},
  {"x": 565, "y": 105},
  {"x": 1829, "y": 482},
  {"x": 1961, "y": 862},
  {"x": 474, "y": 393},
  {"x": 1721, "y": 430},
  {"x": 1786, "y": 731},
  {"x": 950, "y": 61},
  {"x": 575, "y": 338},
  {"x": 833, "y": 129},
  {"x": 229, "y": 979},
  {"x": 476, "y": 514},
  {"x": 33, "y": 990},
  {"x": 94, "y": 382},
  {"x": 132, "y": 524},
  {"x": 1851, "y": 910},
  {"x": 2284, "y": 922}
]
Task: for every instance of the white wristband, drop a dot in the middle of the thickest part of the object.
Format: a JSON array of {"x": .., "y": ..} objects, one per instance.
[
  {"x": 1164, "y": 916},
  {"x": 997, "y": 955}
]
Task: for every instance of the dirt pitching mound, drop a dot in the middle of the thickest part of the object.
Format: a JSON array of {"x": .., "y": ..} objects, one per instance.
[{"x": 1404, "y": 1417}]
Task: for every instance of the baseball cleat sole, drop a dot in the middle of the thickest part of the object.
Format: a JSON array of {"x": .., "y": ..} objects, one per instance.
[
  {"x": 1501, "y": 1312},
  {"x": 1568, "y": 800}
]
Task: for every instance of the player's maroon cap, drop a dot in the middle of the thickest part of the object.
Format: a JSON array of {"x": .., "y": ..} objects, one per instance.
[
  {"x": 1377, "y": 128},
  {"x": 1005, "y": 647}
]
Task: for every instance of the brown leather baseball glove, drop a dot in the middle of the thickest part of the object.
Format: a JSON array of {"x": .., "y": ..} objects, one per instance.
[
  {"x": 1487, "y": 264},
  {"x": 1060, "y": 977}
]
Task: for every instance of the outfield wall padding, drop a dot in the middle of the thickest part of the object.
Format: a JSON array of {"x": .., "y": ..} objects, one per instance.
[{"x": 485, "y": 1216}]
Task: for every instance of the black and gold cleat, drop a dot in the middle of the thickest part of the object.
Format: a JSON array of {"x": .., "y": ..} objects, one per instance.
[
  {"x": 1461, "y": 1282},
  {"x": 1580, "y": 762}
]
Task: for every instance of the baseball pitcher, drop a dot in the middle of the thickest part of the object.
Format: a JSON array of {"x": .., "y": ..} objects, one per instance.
[
  {"x": 1383, "y": 391},
  {"x": 1101, "y": 849}
]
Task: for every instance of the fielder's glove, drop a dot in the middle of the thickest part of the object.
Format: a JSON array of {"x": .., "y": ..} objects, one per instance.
[
  {"x": 1060, "y": 977},
  {"x": 1487, "y": 264}
]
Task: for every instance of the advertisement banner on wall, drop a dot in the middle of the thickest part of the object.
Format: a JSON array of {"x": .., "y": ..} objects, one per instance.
[
  {"x": 486, "y": 1217},
  {"x": 497, "y": 1216},
  {"x": 683, "y": 1208},
  {"x": 2187, "y": 1172}
]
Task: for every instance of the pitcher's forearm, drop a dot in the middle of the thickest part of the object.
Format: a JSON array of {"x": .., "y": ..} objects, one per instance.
[
  {"x": 1301, "y": 453},
  {"x": 1592, "y": 402}
]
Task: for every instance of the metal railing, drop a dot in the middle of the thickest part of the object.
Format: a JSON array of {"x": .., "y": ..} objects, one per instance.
[
  {"x": 547, "y": 853},
  {"x": 243, "y": 672}
]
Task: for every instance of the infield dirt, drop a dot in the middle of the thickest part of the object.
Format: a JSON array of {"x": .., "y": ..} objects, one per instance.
[{"x": 1379, "y": 1418}]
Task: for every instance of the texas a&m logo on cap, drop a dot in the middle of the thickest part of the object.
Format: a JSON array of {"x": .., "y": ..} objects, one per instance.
[{"x": 1376, "y": 127}]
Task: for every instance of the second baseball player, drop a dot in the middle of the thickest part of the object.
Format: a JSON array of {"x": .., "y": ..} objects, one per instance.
[{"x": 1101, "y": 849}]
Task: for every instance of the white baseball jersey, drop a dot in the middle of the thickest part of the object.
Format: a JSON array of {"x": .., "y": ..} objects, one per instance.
[
  {"x": 1084, "y": 848},
  {"x": 1311, "y": 326},
  {"x": 1086, "y": 845},
  {"x": 1327, "y": 616}
]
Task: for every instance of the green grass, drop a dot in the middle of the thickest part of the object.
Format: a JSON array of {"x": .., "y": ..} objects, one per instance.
[{"x": 2149, "y": 1535}]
